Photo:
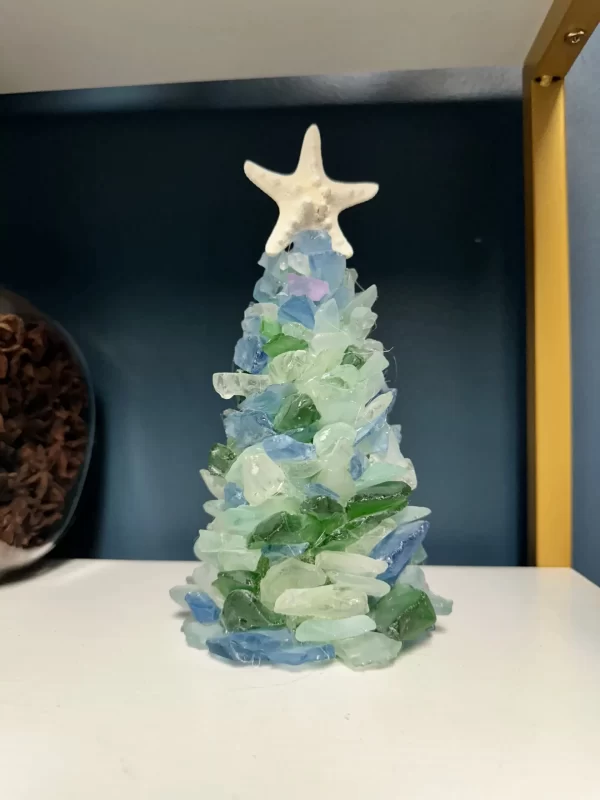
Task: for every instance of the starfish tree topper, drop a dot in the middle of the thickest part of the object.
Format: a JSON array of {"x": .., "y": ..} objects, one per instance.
[{"x": 308, "y": 199}]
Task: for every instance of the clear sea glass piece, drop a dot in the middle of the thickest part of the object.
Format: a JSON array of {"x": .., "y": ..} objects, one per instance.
[
  {"x": 289, "y": 574},
  {"x": 196, "y": 634},
  {"x": 369, "y": 651},
  {"x": 329, "y": 602},
  {"x": 230, "y": 384},
  {"x": 331, "y": 630}
]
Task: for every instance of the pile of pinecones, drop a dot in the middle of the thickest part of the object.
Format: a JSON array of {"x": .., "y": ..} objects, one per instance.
[{"x": 43, "y": 435}]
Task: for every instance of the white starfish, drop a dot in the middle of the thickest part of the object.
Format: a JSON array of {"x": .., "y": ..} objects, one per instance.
[{"x": 308, "y": 199}]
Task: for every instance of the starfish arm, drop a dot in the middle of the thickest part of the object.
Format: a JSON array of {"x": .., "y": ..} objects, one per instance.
[
  {"x": 263, "y": 178},
  {"x": 311, "y": 158},
  {"x": 280, "y": 237},
  {"x": 347, "y": 195},
  {"x": 338, "y": 241}
]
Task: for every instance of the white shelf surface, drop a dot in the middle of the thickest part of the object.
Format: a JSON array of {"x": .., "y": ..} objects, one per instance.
[
  {"x": 70, "y": 44},
  {"x": 100, "y": 698}
]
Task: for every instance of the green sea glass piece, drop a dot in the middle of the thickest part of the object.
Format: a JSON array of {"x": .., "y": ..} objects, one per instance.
[
  {"x": 297, "y": 411},
  {"x": 263, "y": 566},
  {"x": 414, "y": 576},
  {"x": 283, "y": 344},
  {"x": 243, "y": 612},
  {"x": 228, "y": 582},
  {"x": 388, "y": 496},
  {"x": 269, "y": 328},
  {"x": 373, "y": 534},
  {"x": 368, "y": 651},
  {"x": 328, "y": 512},
  {"x": 220, "y": 458},
  {"x": 354, "y": 357},
  {"x": 304, "y": 435},
  {"x": 342, "y": 536},
  {"x": 321, "y": 507},
  {"x": 403, "y": 614},
  {"x": 284, "y": 528}
]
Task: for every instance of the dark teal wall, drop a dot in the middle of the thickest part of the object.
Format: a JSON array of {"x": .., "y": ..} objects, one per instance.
[
  {"x": 140, "y": 233},
  {"x": 583, "y": 131}
]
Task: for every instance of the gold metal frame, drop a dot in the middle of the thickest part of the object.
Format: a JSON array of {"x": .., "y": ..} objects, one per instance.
[{"x": 566, "y": 29}]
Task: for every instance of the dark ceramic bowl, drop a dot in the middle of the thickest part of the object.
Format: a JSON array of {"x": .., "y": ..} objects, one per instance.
[{"x": 11, "y": 556}]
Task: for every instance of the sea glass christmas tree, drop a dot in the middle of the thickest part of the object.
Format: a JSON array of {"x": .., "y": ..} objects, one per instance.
[{"x": 313, "y": 551}]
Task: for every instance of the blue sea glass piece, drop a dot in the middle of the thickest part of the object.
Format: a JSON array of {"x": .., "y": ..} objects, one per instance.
[
  {"x": 269, "y": 263},
  {"x": 301, "y": 654},
  {"x": 249, "y": 355},
  {"x": 298, "y": 309},
  {"x": 266, "y": 288},
  {"x": 251, "y": 325},
  {"x": 284, "y": 448},
  {"x": 306, "y": 434},
  {"x": 398, "y": 547},
  {"x": 277, "y": 552},
  {"x": 270, "y": 400},
  {"x": 358, "y": 464},
  {"x": 250, "y": 647},
  {"x": 246, "y": 427},
  {"x": 233, "y": 496},
  {"x": 377, "y": 422},
  {"x": 309, "y": 242},
  {"x": 377, "y": 440},
  {"x": 328, "y": 267},
  {"x": 318, "y": 490},
  {"x": 203, "y": 607},
  {"x": 342, "y": 297}
]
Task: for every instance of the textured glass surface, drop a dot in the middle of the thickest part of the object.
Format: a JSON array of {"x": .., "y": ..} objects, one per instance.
[{"x": 312, "y": 530}]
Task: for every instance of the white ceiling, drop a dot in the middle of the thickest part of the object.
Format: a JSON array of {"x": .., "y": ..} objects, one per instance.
[{"x": 68, "y": 44}]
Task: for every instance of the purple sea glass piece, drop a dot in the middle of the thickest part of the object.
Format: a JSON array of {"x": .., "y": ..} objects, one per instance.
[{"x": 313, "y": 288}]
